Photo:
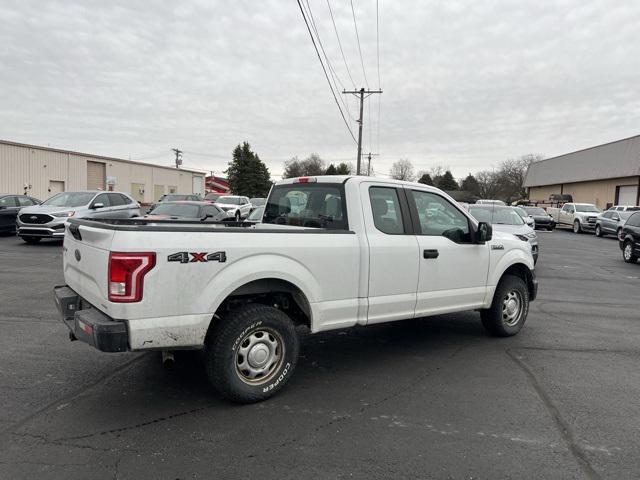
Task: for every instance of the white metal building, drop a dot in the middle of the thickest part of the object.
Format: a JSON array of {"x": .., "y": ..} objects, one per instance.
[{"x": 43, "y": 172}]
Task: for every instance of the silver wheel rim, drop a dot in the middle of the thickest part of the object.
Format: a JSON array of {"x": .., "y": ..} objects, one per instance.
[
  {"x": 512, "y": 308},
  {"x": 627, "y": 251},
  {"x": 598, "y": 230},
  {"x": 237, "y": 215},
  {"x": 619, "y": 234},
  {"x": 576, "y": 227},
  {"x": 259, "y": 356}
]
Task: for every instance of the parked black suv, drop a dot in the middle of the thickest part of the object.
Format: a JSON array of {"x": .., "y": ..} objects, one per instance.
[{"x": 630, "y": 239}]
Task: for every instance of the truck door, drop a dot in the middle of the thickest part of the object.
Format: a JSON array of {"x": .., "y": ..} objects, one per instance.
[
  {"x": 566, "y": 214},
  {"x": 393, "y": 253},
  {"x": 453, "y": 270}
]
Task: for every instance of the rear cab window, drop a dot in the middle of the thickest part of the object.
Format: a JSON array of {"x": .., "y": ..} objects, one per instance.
[{"x": 312, "y": 205}]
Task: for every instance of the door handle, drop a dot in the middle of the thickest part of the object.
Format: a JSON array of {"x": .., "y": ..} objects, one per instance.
[{"x": 430, "y": 253}]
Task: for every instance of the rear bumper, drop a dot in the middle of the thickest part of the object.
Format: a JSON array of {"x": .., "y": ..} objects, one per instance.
[{"x": 89, "y": 324}]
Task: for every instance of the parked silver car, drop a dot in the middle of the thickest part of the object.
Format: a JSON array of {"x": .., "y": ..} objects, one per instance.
[
  {"x": 611, "y": 222},
  {"x": 506, "y": 219},
  {"x": 47, "y": 220}
]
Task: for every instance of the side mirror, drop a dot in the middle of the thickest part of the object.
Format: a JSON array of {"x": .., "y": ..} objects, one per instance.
[
  {"x": 97, "y": 205},
  {"x": 484, "y": 233}
]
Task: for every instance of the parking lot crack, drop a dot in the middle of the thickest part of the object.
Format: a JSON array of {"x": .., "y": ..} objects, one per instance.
[{"x": 563, "y": 426}]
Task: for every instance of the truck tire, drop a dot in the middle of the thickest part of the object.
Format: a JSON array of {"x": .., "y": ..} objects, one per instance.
[
  {"x": 31, "y": 240},
  {"x": 576, "y": 227},
  {"x": 627, "y": 252},
  {"x": 251, "y": 354},
  {"x": 509, "y": 308}
]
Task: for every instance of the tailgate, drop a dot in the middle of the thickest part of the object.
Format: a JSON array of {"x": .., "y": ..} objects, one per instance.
[{"x": 86, "y": 261}]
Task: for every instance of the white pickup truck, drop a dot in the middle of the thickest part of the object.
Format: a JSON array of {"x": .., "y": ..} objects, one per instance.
[
  {"x": 578, "y": 216},
  {"x": 354, "y": 251}
]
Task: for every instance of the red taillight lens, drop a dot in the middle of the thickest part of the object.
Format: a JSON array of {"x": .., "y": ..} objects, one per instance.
[
  {"x": 305, "y": 180},
  {"x": 126, "y": 275}
]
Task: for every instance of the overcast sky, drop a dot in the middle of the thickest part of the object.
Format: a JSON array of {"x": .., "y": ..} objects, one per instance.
[{"x": 466, "y": 84}]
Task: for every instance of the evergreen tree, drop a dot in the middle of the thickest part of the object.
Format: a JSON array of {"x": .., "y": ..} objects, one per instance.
[
  {"x": 343, "y": 169},
  {"x": 447, "y": 182},
  {"x": 426, "y": 179},
  {"x": 331, "y": 170},
  {"x": 247, "y": 174},
  {"x": 470, "y": 184}
]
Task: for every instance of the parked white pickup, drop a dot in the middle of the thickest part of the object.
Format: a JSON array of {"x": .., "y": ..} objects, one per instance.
[
  {"x": 332, "y": 252},
  {"x": 578, "y": 216}
]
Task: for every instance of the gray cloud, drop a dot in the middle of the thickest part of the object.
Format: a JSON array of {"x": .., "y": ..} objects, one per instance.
[{"x": 466, "y": 84}]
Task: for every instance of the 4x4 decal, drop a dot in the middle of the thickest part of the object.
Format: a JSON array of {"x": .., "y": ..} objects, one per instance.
[{"x": 197, "y": 257}]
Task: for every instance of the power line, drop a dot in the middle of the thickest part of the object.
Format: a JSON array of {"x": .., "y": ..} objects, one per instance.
[
  {"x": 361, "y": 94},
  {"x": 304, "y": 17},
  {"x": 355, "y": 24},
  {"x": 332, "y": 72},
  {"x": 335, "y": 28}
]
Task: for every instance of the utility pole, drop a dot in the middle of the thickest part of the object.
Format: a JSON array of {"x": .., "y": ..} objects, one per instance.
[
  {"x": 369, "y": 155},
  {"x": 362, "y": 93},
  {"x": 178, "y": 157}
]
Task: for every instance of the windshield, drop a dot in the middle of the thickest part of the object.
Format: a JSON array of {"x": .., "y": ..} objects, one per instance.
[
  {"x": 257, "y": 201},
  {"x": 587, "y": 208},
  {"x": 496, "y": 216},
  {"x": 184, "y": 210},
  {"x": 69, "y": 199},
  {"x": 315, "y": 205},
  {"x": 256, "y": 215},
  {"x": 229, "y": 200},
  {"x": 535, "y": 211},
  {"x": 521, "y": 212}
]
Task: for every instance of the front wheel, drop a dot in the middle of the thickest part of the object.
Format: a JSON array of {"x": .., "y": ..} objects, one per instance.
[
  {"x": 627, "y": 253},
  {"x": 619, "y": 234},
  {"x": 598, "y": 231},
  {"x": 576, "y": 227},
  {"x": 251, "y": 353},
  {"x": 509, "y": 308}
]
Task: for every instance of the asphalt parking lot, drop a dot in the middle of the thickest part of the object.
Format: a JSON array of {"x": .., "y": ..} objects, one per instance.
[{"x": 435, "y": 398}]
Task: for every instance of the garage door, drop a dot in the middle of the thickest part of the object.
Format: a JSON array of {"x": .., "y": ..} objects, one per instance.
[
  {"x": 627, "y": 195},
  {"x": 197, "y": 185},
  {"x": 96, "y": 176}
]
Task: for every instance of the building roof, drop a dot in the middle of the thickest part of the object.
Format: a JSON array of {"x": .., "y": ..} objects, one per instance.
[
  {"x": 98, "y": 157},
  {"x": 611, "y": 160}
]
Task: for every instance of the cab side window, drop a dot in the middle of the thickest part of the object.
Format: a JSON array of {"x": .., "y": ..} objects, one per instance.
[
  {"x": 8, "y": 202},
  {"x": 116, "y": 199},
  {"x": 439, "y": 217},
  {"x": 26, "y": 201},
  {"x": 102, "y": 198},
  {"x": 385, "y": 205}
]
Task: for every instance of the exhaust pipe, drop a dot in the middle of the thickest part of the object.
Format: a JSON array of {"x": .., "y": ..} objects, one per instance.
[{"x": 168, "y": 359}]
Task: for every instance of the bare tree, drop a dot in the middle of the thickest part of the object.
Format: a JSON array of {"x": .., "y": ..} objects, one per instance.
[
  {"x": 402, "y": 170},
  {"x": 312, "y": 165},
  {"x": 487, "y": 184},
  {"x": 511, "y": 177}
]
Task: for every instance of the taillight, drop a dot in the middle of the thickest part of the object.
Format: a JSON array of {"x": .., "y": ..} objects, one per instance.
[
  {"x": 305, "y": 180},
  {"x": 126, "y": 275}
]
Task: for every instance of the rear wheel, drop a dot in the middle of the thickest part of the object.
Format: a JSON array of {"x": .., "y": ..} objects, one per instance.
[
  {"x": 252, "y": 353},
  {"x": 31, "y": 240},
  {"x": 509, "y": 308},
  {"x": 619, "y": 233},
  {"x": 238, "y": 216},
  {"x": 627, "y": 252},
  {"x": 598, "y": 231},
  {"x": 576, "y": 227}
]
